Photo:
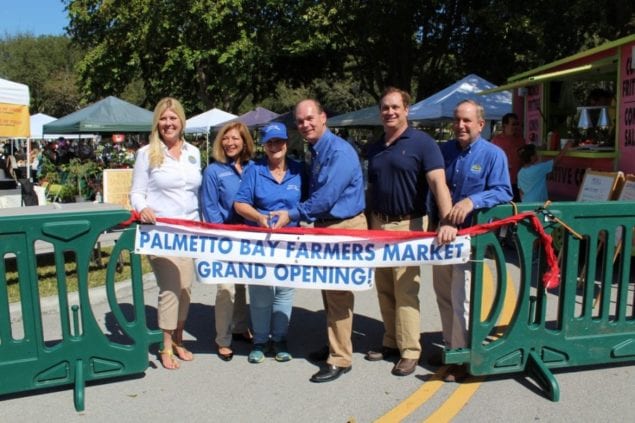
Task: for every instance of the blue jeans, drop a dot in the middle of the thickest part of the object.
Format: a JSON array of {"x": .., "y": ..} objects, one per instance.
[{"x": 270, "y": 309}]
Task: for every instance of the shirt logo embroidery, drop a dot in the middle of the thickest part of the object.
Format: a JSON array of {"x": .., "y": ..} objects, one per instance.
[
  {"x": 476, "y": 168},
  {"x": 192, "y": 159}
]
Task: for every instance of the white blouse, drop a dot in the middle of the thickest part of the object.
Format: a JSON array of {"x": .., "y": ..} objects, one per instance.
[{"x": 170, "y": 190}]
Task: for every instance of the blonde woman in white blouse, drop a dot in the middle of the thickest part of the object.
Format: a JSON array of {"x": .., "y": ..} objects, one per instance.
[{"x": 165, "y": 183}]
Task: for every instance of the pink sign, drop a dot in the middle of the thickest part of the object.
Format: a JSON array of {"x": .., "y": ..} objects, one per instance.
[
  {"x": 626, "y": 137},
  {"x": 565, "y": 180},
  {"x": 534, "y": 115}
]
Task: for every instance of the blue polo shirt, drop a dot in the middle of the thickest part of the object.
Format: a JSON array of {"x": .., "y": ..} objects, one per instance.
[
  {"x": 260, "y": 190},
  {"x": 397, "y": 173},
  {"x": 220, "y": 184},
  {"x": 336, "y": 183},
  {"x": 479, "y": 172}
]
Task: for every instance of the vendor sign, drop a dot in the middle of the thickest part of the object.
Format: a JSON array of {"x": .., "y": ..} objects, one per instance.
[{"x": 14, "y": 120}]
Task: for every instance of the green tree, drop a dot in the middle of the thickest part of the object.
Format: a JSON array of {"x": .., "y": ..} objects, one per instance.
[
  {"x": 209, "y": 53},
  {"x": 514, "y": 37},
  {"x": 234, "y": 54},
  {"x": 424, "y": 46},
  {"x": 47, "y": 65}
]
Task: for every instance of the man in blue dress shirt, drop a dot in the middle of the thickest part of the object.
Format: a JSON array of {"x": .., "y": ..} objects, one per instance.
[
  {"x": 336, "y": 200},
  {"x": 477, "y": 174}
]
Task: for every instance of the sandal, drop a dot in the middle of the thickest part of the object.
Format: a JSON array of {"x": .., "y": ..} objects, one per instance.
[
  {"x": 168, "y": 361},
  {"x": 182, "y": 352},
  {"x": 225, "y": 353}
]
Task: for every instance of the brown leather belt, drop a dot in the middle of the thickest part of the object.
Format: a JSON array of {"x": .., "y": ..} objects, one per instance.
[{"x": 388, "y": 218}]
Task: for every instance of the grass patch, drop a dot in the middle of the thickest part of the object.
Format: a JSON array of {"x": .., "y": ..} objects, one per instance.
[{"x": 47, "y": 275}]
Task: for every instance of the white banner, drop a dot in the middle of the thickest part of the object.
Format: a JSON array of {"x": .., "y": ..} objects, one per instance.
[{"x": 299, "y": 261}]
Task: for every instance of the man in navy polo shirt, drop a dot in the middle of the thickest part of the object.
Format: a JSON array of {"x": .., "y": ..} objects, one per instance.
[
  {"x": 402, "y": 167},
  {"x": 336, "y": 200}
]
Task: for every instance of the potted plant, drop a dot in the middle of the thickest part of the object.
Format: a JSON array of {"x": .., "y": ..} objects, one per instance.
[{"x": 83, "y": 177}]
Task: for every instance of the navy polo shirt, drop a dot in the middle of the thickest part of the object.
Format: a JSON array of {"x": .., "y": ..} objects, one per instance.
[{"x": 397, "y": 173}]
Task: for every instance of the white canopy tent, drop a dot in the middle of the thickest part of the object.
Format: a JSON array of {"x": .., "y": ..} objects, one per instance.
[
  {"x": 14, "y": 111},
  {"x": 14, "y": 93},
  {"x": 440, "y": 106},
  {"x": 38, "y": 121},
  {"x": 201, "y": 124}
]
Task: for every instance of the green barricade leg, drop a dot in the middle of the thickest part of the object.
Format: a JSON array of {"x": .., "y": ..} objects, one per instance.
[{"x": 84, "y": 353}]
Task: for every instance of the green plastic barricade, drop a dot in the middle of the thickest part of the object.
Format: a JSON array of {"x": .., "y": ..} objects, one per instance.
[
  {"x": 588, "y": 320},
  {"x": 84, "y": 352}
]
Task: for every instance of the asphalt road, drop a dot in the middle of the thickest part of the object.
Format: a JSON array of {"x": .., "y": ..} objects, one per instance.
[{"x": 209, "y": 389}]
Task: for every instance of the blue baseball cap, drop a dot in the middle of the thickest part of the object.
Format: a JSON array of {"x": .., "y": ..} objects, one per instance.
[{"x": 273, "y": 130}]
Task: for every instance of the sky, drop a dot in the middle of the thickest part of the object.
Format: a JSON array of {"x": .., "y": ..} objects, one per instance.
[{"x": 35, "y": 17}]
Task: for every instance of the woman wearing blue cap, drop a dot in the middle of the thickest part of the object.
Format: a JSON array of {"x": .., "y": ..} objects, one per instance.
[{"x": 271, "y": 184}]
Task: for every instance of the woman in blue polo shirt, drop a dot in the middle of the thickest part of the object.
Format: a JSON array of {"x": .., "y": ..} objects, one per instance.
[
  {"x": 232, "y": 151},
  {"x": 274, "y": 183}
]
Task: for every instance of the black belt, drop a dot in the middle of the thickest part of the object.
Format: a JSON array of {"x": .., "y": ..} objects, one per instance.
[
  {"x": 331, "y": 220},
  {"x": 395, "y": 218}
]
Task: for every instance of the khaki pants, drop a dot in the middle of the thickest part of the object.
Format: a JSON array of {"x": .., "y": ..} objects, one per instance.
[
  {"x": 230, "y": 312},
  {"x": 398, "y": 295},
  {"x": 174, "y": 277},
  {"x": 339, "y": 307},
  {"x": 452, "y": 284}
]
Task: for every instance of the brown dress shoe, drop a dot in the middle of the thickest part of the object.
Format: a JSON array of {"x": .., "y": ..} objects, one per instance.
[
  {"x": 382, "y": 353},
  {"x": 405, "y": 366},
  {"x": 456, "y": 373}
]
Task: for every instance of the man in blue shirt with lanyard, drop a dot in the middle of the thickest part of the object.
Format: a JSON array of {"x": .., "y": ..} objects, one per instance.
[
  {"x": 336, "y": 200},
  {"x": 402, "y": 167},
  {"x": 477, "y": 175}
]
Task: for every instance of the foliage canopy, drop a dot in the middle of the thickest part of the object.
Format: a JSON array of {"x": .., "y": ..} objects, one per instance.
[{"x": 234, "y": 54}]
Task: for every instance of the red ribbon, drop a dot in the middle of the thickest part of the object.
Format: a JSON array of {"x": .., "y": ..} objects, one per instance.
[{"x": 551, "y": 278}]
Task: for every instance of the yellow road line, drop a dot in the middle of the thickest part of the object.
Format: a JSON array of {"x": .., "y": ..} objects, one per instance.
[
  {"x": 457, "y": 400},
  {"x": 455, "y": 403},
  {"x": 414, "y": 401},
  {"x": 509, "y": 303}
]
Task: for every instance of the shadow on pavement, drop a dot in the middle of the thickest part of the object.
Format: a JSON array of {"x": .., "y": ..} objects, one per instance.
[{"x": 307, "y": 330}]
